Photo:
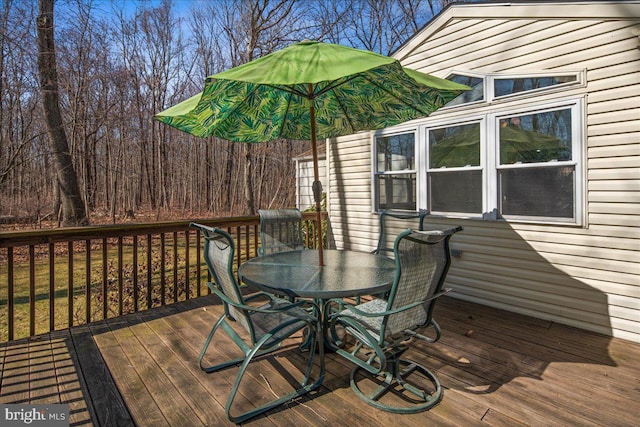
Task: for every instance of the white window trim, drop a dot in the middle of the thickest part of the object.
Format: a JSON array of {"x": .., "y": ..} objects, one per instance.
[
  {"x": 489, "y": 79},
  {"x": 485, "y": 88},
  {"x": 578, "y": 150},
  {"x": 424, "y": 142},
  {"x": 579, "y": 82},
  {"x": 397, "y": 130}
]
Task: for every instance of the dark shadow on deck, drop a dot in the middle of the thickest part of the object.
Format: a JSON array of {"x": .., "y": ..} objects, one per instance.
[{"x": 480, "y": 274}]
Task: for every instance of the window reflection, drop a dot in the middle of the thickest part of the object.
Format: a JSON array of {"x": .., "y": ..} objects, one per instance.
[
  {"x": 475, "y": 94},
  {"x": 396, "y": 152},
  {"x": 395, "y": 174},
  {"x": 536, "y": 138},
  {"x": 503, "y": 87},
  {"x": 455, "y": 146}
]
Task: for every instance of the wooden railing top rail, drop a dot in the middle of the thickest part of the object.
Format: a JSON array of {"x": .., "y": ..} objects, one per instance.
[{"x": 44, "y": 236}]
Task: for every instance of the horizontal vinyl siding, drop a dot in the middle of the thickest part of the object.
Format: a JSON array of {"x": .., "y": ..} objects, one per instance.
[
  {"x": 305, "y": 182},
  {"x": 588, "y": 277},
  {"x": 352, "y": 222}
]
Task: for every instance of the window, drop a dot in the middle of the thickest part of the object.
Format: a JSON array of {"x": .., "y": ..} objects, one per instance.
[
  {"x": 536, "y": 169},
  {"x": 454, "y": 172},
  {"x": 509, "y": 86},
  {"x": 475, "y": 94},
  {"x": 514, "y": 158},
  {"x": 501, "y": 86},
  {"x": 395, "y": 173}
]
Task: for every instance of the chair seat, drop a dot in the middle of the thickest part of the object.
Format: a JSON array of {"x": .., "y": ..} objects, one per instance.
[
  {"x": 263, "y": 323},
  {"x": 373, "y": 324}
]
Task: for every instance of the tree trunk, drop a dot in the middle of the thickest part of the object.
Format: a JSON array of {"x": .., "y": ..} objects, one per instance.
[{"x": 73, "y": 210}]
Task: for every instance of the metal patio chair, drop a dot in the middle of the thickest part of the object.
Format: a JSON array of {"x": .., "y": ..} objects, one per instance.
[
  {"x": 280, "y": 231},
  {"x": 267, "y": 323},
  {"x": 391, "y": 224},
  {"x": 383, "y": 329}
]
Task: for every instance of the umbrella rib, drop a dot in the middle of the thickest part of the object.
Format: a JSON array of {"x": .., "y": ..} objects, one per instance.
[
  {"x": 373, "y": 82},
  {"x": 334, "y": 84},
  {"x": 344, "y": 111},
  {"x": 289, "y": 89}
]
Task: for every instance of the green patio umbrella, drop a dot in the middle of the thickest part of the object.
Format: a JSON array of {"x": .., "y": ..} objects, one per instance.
[{"x": 306, "y": 91}]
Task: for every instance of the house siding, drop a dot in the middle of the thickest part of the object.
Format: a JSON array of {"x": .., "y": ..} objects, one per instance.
[
  {"x": 304, "y": 181},
  {"x": 587, "y": 276}
]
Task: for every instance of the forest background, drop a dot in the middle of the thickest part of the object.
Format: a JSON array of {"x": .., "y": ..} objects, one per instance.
[{"x": 121, "y": 61}]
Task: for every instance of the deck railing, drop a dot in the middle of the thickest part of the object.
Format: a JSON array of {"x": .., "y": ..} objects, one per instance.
[{"x": 58, "y": 278}]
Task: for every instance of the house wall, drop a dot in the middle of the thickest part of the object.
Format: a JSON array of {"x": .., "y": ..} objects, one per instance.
[
  {"x": 304, "y": 182},
  {"x": 587, "y": 276}
]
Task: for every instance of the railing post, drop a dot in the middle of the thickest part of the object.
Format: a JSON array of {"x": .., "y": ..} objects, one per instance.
[
  {"x": 198, "y": 262},
  {"x": 162, "y": 268},
  {"x": 10, "y": 306},
  {"x": 175, "y": 266},
  {"x": 120, "y": 278},
  {"x": 52, "y": 287},
  {"x": 70, "y": 284},
  {"x": 149, "y": 271},
  {"x": 186, "y": 265},
  {"x": 135, "y": 273},
  {"x": 32, "y": 290},
  {"x": 105, "y": 289},
  {"x": 87, "y": 291}
]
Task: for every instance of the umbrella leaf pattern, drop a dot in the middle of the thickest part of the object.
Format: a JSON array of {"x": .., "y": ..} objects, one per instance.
[{"x": 374, "y": 98}]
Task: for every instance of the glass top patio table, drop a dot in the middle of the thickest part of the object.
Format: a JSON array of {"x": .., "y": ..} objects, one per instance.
[{"x": 297, "y": 274}]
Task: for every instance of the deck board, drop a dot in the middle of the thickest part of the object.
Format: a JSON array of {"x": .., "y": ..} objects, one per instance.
[
  {"x": 15, "y": 373},
  {"x": 70, "y": 384},
  {"x": 106, "y": 401},
  {"x": 42, "y": 376},
  {"x": 497, "y": 368}
]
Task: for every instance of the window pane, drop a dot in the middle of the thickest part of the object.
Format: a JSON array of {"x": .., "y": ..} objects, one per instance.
[
  {"x": 455, "y": 146},
  {"x": 510, "y": 86},
  {"x": 396, "y": 191},
  {"x": 545, "y": 192},
  {"x": 536, "y": 138},
  {"x": 475, "y": 94},
  {"x": 456, "y": 191},
  {"x": 396, "y": 152}
]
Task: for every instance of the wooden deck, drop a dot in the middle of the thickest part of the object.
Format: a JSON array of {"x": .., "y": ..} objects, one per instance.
[{"x": 498, "y": 368}]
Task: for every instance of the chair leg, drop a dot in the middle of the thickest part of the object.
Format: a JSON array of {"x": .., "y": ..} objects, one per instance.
[
  {"x": 237, "y": 340},
  {"x": 305, "y": 385},
  {"x": 388, "y": 382}
]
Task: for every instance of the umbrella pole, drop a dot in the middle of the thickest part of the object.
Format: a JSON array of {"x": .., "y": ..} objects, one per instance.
[{"x": 317, "y": 186}]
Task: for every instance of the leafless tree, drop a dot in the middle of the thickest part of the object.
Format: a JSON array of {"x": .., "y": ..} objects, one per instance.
[
  {"x": 383, "y": 25},
  {"x": 73, "y": 209},
  {"x": 119, "y": 62}
]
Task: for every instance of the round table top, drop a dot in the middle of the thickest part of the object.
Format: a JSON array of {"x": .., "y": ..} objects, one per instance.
[{"x": 297, "y": 274}]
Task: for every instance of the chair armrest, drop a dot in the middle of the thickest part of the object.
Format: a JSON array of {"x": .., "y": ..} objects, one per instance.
[
  {"x": 355, "y": 310},
  {"x": 280, "y": 309}
]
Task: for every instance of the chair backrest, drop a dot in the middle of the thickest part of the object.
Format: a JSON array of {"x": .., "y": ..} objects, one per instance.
[
  {"x": 393, "y": 223},
  {"x": 219, "y": 251},
  {"x": 280, "y": 231},
  {"x": 422, "y": 261}
]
